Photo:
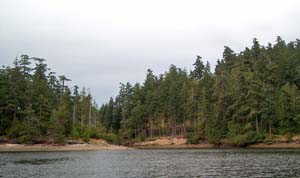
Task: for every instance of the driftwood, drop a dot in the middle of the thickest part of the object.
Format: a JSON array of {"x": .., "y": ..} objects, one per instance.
[{"x": 73, "y": 142}]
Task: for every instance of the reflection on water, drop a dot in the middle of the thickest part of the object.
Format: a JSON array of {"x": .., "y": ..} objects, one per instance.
[
  {"x": 41, "y": 161},
  {"x": 152, "y": 163}
]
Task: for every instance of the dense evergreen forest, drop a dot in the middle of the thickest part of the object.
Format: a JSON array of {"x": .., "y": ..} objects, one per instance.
[
  {"x": 37, "y": 106},
  {"x": 251, "y": 96}
]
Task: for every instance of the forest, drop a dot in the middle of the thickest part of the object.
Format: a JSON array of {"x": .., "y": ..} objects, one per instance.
[
  {"x": 251, "y": 96},
  {"x": 36, "y": 106}
]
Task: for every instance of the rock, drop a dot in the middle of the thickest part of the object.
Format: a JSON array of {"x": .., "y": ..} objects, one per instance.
[
  {"x": 296, "y": 139},
  {"x": 281, "y": 139}
]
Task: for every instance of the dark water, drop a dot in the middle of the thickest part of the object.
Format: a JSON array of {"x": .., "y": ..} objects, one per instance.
[{"x": 152, "y": 163}]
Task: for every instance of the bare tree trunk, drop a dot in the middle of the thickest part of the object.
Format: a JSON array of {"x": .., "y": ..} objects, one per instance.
[
  {"x": 162, "y": 127},
  {"x": 74, "y": 115},
  {"x": 15, "y": 114},
  {"x": 151, "y": 131},
  {"x": 194, "y": 123},
  {"x": 146, "y": 129},
  {"x": 81, "y": 122},
  {"x": 270, "y": 129},
  {"x": 256, "y": 121},
  {"x": 90, "y": 116},
  {"x": 174, "y": 129}
]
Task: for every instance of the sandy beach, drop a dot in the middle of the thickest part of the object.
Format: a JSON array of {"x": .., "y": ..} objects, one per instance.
[{"x": 47, "y": 147}]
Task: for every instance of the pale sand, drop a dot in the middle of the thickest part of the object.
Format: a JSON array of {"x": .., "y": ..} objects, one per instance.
[
  {"x": 95, "y": 144},
  {"x": 47, "y": 147},
  {"x": 169, "y": 143},
  {"x": 163, "y": 141},
  {"x": 186, "y": 146}
]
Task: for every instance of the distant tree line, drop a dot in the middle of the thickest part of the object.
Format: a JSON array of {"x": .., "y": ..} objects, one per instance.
[
  {"x": 37, "y": 106},
  {"x": 251, "y": 95}
]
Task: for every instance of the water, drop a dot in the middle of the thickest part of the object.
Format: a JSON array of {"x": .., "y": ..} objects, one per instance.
[{"x": 152, "y": 163}]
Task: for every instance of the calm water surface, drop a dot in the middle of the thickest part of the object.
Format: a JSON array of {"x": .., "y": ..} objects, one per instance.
[{"x": 152, "y": 163}]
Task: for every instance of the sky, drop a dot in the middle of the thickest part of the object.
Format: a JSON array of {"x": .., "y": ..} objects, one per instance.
[{"x": 99, "y": 44}]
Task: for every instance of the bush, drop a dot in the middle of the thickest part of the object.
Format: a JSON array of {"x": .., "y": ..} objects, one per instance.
[
  {"x": 269, "y": 140},
  {"x": 242, "y": 135},
  {"x": 192, "y": 138},
  {"x": 94, "y": 134},
  {"x": 245, "y": 139},
  {"x": 141, "y": 138},
  {"x": 111, "y": 138},
  {"x": 16, "y": 130},
  {"x": 75, "y": 134},
  {"x": 289, "y": 137},
  {"x": 86, "y": 135}
]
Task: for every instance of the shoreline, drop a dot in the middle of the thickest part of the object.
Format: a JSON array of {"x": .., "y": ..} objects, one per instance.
[
  {"x": 50, "y": 147},
  {"x": 95, "y": 147},
  {"x": 291, "y": 145},
  {"x": 156, "y": 143},
  {"x": 185, "y": 146},
  {"x": 211, "y": 146}
]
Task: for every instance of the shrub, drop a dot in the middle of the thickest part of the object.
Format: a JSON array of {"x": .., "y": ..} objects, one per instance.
[
  {"x": 142, "y": 138},
  {"x": 94, "y": 134},
  {"x": 289, "y": 137},
  {"x": 242, "y": 135},
  {"x": 111, "y": 138},
  {"x": 86, "y": 135},
  {"x": 75, "y": 134},
  {"x": 193, "y": 139},
  {"x": 269, "y": 140},
  {"x": 16, "y": 129}
]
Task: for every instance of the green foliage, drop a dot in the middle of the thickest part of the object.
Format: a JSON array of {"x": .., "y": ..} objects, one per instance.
[
  {"x": 289, "y": 137},
  {"x": 16, "y": 130},
  {"x": 31, "y": 125},
  {"x": 29, "y": 95},
  {"x": 94, "y": 133},
  {"x": 242, "y": 135},
  {"x": 141, "y": 138},
  {"x": 250, "y": 93},
  {"x": 75, "y": 134},
  {"x": 86, "y": 135},
  {"x": 56, "y": 127},
  {"x": 242, "y": 139},
  {"x": 269, "y": 140},
  {"x": 111, "y": 138},
  {"x": 193, "y": 138}
]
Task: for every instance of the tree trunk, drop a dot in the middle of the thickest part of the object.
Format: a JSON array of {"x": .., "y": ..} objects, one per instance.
[
  {"x": 15, "y": 114},
  {"x": 90, "y": 116},
  {"x": 74, "y": 115},
  {"x": 256, "y": 121},
  {"x": 270, "y": 129},
  {"x": 81, "y": 122},
  {"x": 151, "y": 128}
]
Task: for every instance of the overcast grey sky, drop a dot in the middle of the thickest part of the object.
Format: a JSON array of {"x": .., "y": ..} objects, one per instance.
[{"x": 99, "y": 44}]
